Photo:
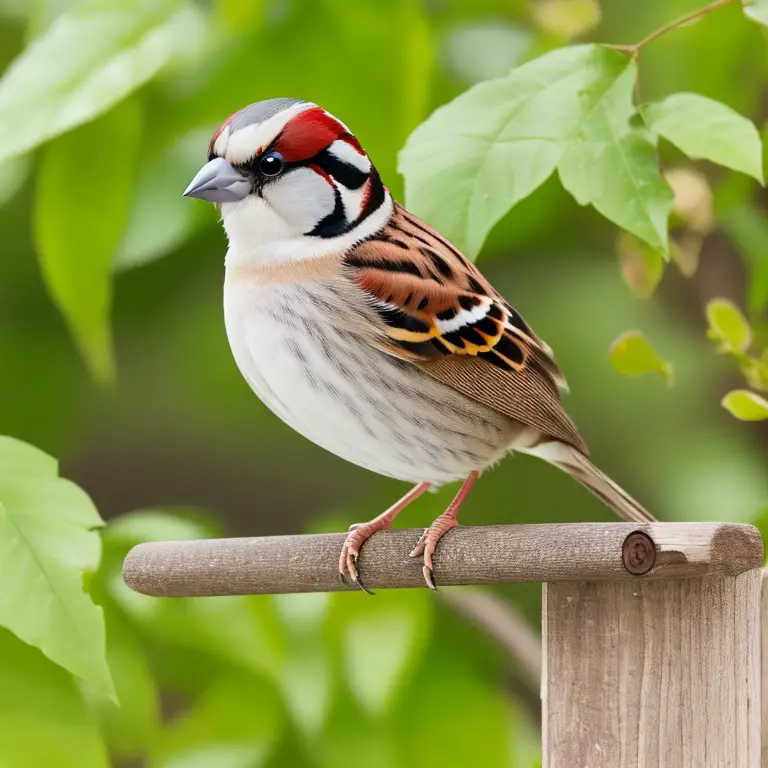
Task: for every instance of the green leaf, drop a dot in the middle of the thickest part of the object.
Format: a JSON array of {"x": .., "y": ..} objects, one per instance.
[
  {"x": 90, "y": 59},
  {"x": 47, "y": 545},
  {"x": 475, "y": 158},
  {"x": 616, "y": 169},
  {"x": 708, "y": 130},
  {"x": 130, "y": 728},
  {"x": 166, "y": 524},
  {"x": 305, "y": 677},
  {"x": 460, "y": 713},
  {"x": 728, "y": 326},
  {"x": 14, "y": 172},
  {"x": 757, "y": 10},
  {"x": 83, "y": 173},
  {"x": 44, "y": 719},
  {"x": 632, "y": 355},
  {"x": 382, "y": 646},
  {"x": 746, "y": 405},
  {"x": 21, "y": 459},
  {"x": 234, "y": 724},
  {"x": 160, "y": 218}
]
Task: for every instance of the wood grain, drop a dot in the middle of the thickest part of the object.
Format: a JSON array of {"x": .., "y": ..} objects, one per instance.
[
  {"x": 466, "y": 555},
  {"x": 653, "y": 674}
]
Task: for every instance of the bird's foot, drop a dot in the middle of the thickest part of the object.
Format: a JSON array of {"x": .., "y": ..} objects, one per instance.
[
  {"x": 358, "y": 534},
  {"x": 428, "y": 543}
]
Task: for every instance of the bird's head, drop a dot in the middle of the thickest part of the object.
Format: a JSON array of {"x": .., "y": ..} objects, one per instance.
[{"x": 291, "y": 182}]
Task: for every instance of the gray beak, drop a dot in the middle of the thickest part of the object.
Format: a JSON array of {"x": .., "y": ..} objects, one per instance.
[{"x": 218, "y": 182}]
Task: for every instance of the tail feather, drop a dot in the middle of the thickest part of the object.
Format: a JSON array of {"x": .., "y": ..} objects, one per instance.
[{"x": 578, "y": 466}]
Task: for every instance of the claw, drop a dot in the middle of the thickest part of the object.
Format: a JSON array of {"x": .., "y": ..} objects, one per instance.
[
  {"x": 429, "y": 577},
  {"x": 359, "y": 583}
]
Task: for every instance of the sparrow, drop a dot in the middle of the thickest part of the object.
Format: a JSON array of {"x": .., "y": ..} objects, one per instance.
[{"x": 367, "y": 331}]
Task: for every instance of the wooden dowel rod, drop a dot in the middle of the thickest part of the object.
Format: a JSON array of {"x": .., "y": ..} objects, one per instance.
[{"x": 466, "y": 555}]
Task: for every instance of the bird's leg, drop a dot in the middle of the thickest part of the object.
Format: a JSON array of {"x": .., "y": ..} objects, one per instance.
[
  {"x": 359, "y": 533},
  {"x": 443, "y": 524}
]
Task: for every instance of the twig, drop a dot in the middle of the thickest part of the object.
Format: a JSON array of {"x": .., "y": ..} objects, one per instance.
[{"x": 634, "y": 49}]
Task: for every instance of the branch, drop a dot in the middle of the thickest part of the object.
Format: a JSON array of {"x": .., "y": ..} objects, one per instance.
[
  {"x": 634, "y": 50},
  {"x": 467, "y": 555}
]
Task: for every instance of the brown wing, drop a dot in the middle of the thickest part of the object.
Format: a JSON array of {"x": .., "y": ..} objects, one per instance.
[{"x": 438, "y": 311}]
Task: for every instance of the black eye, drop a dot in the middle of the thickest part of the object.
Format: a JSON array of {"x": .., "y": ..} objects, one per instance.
[{"x": 271, "y": 164}]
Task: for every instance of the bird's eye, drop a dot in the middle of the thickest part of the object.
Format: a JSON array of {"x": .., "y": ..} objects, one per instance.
[{"x": 271, "y": 164}]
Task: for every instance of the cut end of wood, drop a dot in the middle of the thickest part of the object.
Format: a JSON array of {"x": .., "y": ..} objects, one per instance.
[{"x": 737, "y": 544}]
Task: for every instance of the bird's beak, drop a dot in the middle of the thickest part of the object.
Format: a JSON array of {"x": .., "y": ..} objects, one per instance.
[{"x": 218, "y": 182}]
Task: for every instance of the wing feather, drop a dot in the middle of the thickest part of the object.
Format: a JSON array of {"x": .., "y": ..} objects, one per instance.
[{"x": 438, "y": 311}]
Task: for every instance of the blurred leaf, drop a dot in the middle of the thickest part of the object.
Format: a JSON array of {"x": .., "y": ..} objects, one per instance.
[
  {"x": 454, "y": 718},
  {"x": 14, "y": 171},
  {"x": 481, "y": 51},
  {"x": 130, "y": 729},
  {"x": 693, "y": 202},
  {"x": 43, "y": 13},
  {"x": 162, "y": 524},
  {"x": 90, "y": 169},
  {"x": 90, "y": 59},
  {"x": 746, "y": 405},
  {"x": 239, "y": 15},
  {"x": 44, "y": 719},
  {"x": 161, "y": 219},
  {"x": 235, "y": 630},
  {"x": 566, "y": 19},
  {"x": 757, "y": 10},
  {"x": 234, "y": 724},
  {"x": 475, "y": 158},
  {"x": 685, "y": 251},
  {"x": 708, "y": 130},
  {"x": 47, "y": 544},
  {"x": 382, "y": 645},
  {"x": 755, "y": 370},
  {"x": 632, "y": 355},
  {"x": 306, "y": 676},
  {"x": 749, "y": 229},
  {"x": 728, "y": 326},
  {"x": 641, "y": 265}
]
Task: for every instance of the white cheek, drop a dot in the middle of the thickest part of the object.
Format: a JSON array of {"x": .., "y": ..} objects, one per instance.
[{"x": 302, "y": 198}]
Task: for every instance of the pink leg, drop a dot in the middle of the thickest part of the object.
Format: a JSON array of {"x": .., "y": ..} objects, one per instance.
[
  {"x": 359, "y": 533},
  {"x": 443, "y": 524}
]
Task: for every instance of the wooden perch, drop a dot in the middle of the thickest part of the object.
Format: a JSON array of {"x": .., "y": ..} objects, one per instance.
[{"x": 467, "y": 555}]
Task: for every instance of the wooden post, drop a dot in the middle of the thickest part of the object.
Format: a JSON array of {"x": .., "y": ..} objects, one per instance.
[
  {"x": 652, "y": 633},
  {"x": 653, "y": 674}
]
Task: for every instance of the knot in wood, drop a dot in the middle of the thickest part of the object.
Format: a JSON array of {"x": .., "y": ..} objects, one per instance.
[{"x": 638, "y": 553}]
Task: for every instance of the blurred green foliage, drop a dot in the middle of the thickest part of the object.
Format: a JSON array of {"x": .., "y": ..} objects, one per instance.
[{"x": 106, "y": 107}]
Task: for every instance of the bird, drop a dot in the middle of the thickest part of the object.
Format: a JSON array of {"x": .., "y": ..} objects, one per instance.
[{"x": 367, "y": 331}]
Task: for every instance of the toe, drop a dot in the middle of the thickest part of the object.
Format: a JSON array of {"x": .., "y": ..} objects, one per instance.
[
  {"x": 352, "y": 563},
  {"x": 419, "y": 548}
]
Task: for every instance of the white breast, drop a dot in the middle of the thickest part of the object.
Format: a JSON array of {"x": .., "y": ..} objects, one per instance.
[{"x": 350, "y": 398}]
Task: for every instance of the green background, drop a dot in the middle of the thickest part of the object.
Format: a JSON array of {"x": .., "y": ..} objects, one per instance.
[{"x": 401, "y": 678}]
